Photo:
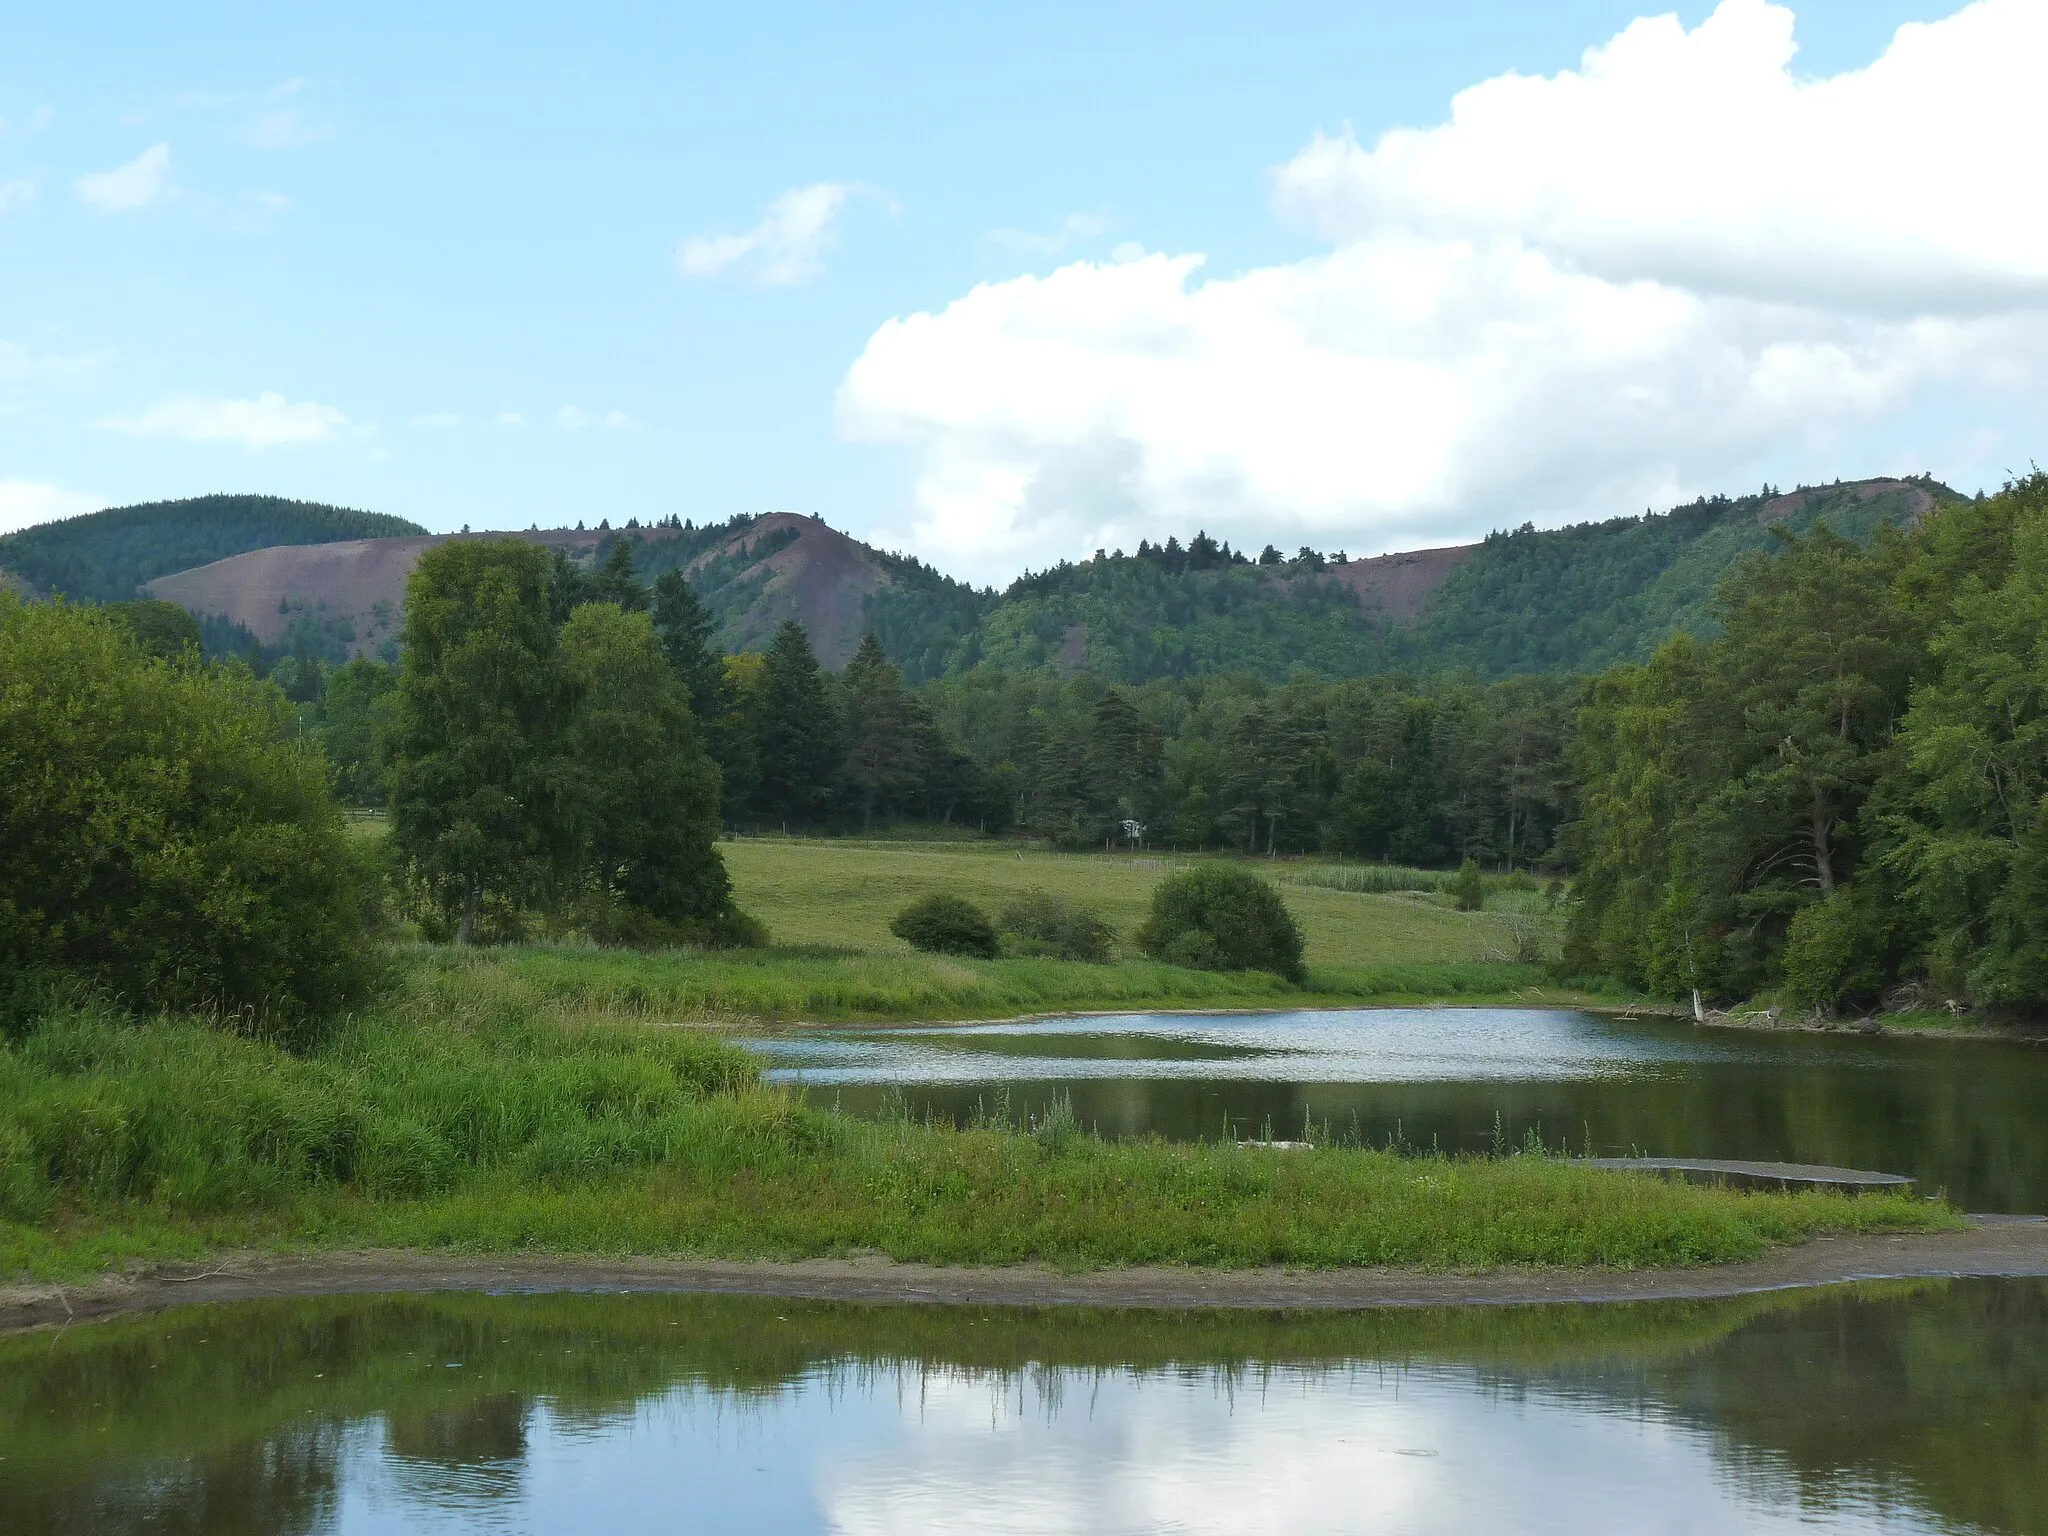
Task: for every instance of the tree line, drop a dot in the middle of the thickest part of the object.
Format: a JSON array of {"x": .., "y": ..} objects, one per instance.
[
  {"x": 1380, "y": 768},
  {"x": 1841, "y": 797}
]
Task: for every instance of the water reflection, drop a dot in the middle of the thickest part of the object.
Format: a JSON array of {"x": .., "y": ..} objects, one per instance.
[
  {"x": 1966, "y": 1117},
  {"x": 1905, "y": 1407}
]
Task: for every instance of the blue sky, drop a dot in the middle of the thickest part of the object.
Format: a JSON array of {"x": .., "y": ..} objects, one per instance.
[{"x": 463, "y": 264}]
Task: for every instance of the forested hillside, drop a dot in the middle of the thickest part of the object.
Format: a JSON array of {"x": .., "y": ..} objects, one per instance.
[
  {"x": 1567, "y": 600},
  {"x": 1842, "y": 794},
  {"x": 105, "y": 557}
]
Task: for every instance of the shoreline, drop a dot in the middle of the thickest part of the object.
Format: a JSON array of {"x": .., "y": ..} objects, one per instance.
[{"x": 1989, "y": 1246}]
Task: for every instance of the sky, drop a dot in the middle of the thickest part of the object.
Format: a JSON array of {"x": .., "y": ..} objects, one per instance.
[{"x": 999, "y": 286}]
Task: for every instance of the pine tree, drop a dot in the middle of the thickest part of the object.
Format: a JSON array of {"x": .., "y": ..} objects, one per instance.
[
  {"x": 884, "y": 760},
  {"x": 799, "y": 735},
  {"x": 685, "y": 628}
]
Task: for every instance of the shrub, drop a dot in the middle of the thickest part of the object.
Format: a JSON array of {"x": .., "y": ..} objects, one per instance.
[
  {"x": 163, "y": 837},
  {"x": 1468, "y": 891},
  {"x": 1045, "y": 924},
  {"x": 946, "y": 925},
  {"x": 1219, "y": 918}
]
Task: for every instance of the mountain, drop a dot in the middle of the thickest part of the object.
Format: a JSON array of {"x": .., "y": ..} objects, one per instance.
[
  {"x": 105, "y": 557},
  {"x": 1562, "y": 600},
  {"x": 341, "y": 599}
]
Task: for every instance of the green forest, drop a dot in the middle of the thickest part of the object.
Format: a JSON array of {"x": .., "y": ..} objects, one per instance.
[
  {"x": 1566, "y": 600},
  {"x": 105, "y": 557}
]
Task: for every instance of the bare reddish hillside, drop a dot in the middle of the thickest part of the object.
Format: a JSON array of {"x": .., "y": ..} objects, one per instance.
[
  {"x": 1919, "y": 501},
  {"x": 821, "y": 578},
  {"x": 362, "y": 581},
  {"x": 1400, "y": 586}
]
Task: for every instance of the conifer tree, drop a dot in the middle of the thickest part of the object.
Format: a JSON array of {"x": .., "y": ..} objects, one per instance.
[
  {"x": 799, "y": 736},
  {"x": 685, "y": 628}
]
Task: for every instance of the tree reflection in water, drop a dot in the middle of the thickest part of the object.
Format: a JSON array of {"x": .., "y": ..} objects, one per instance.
[{"x": 1917, "y": 1402}]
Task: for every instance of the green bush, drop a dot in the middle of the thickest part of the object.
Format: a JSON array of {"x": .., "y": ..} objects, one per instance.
[
  {"x": 1468, "y": 891},
  {"x": 163, "y": 837},
  {"x": 946, "y": 925},
  {"x": 1834, "y": 953},
  {"x": 1217, "y": 917},
  {"x": 1045, "y": 924}
]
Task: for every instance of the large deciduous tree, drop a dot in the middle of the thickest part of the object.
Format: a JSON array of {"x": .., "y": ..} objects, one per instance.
[{"x": 482, "y": 789}]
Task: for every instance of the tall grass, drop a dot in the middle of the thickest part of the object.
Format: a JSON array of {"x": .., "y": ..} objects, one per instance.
[
  {"x": 473, "y": 1117},
  {"x": 751, "y": 987}
]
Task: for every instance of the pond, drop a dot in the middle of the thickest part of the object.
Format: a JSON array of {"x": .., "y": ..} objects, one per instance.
[
  {"x": 1906, "y": 1406},
  {"x": 1967, "y": 1117}
]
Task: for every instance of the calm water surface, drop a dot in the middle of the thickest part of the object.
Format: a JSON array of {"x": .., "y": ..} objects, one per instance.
[
  {"x": 1968, "y": 1117},
  {"x": 1915, "y": 1407}
]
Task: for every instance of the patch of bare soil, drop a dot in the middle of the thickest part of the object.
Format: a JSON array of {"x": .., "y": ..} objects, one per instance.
[
  {"x": 2002, "y": 1246},
  {"x": 1400, "y": 586},
  {"x": 1919, "y": 501},
  {"x": 821, "y": 579}
]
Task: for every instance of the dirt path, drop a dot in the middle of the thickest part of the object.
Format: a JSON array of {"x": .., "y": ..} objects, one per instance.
[{"x": 1993, "y": 1246}]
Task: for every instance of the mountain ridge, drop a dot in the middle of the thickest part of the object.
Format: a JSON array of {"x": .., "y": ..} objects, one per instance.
[{"x": 1571, "y": 599}]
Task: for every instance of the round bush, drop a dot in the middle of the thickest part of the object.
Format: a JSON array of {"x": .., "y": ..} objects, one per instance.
[
  {"x": 1045, "y": 924},
  {"x": 1220, "y": 918},
  {"x": 946, "y": 925},
  {"x": 163, "y": 835}
]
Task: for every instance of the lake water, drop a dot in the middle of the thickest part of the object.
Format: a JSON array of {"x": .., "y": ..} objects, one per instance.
[
  {"x": 1967, "y": 1117},
  {"x": 1902, "y": 1407}
]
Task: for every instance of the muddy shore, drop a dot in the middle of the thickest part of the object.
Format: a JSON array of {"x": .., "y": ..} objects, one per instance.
[{"x": 2003, "y": 1246}]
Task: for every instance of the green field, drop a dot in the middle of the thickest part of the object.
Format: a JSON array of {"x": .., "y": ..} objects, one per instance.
[{"x": 843, "y": 893}]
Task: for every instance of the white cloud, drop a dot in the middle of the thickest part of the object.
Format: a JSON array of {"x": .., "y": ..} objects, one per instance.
[
  {"x": 268, "y": 421},
  {"x": 142, "y": 181},
  {"x": 1580, "y": 295},
  {"x": 25, "y": 502},
  {"x": 1072, "y": 230},
  {"x": 16, "y": 194},
  {"x": 573, "y": 418},
  {"x": 508, "y": 419},
  {"x": 787, "y": 247},
  {"x": 1700, "y": 159}
]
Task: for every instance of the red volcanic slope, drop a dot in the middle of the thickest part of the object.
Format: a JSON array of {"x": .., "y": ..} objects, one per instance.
[
  {"x": 362, "y": 581},
  {"x": 821, "y": 580},
  {"x": 1400, "y": 586}
]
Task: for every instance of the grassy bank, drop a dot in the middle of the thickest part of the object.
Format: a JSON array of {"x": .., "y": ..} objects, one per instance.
[
  {"x": 780, "y": 986},
  {"x": 475, "y": 1118}
]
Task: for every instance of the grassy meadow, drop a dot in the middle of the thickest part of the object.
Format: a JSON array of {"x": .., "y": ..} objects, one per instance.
[{"x": 843, "y": 893}]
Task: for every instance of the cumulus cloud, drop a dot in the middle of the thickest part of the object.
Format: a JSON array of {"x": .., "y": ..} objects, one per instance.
[
  {"x": 787, "y": 247},
  {"x": 1583, "y": 293},
  {"x": 144, "y": 180},
  {"x": 25, "y": 502},
  {"x": 268, "y": 421},
  {"x": 1700, "y": 159},
  {"x": 510, "y": 420}
]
